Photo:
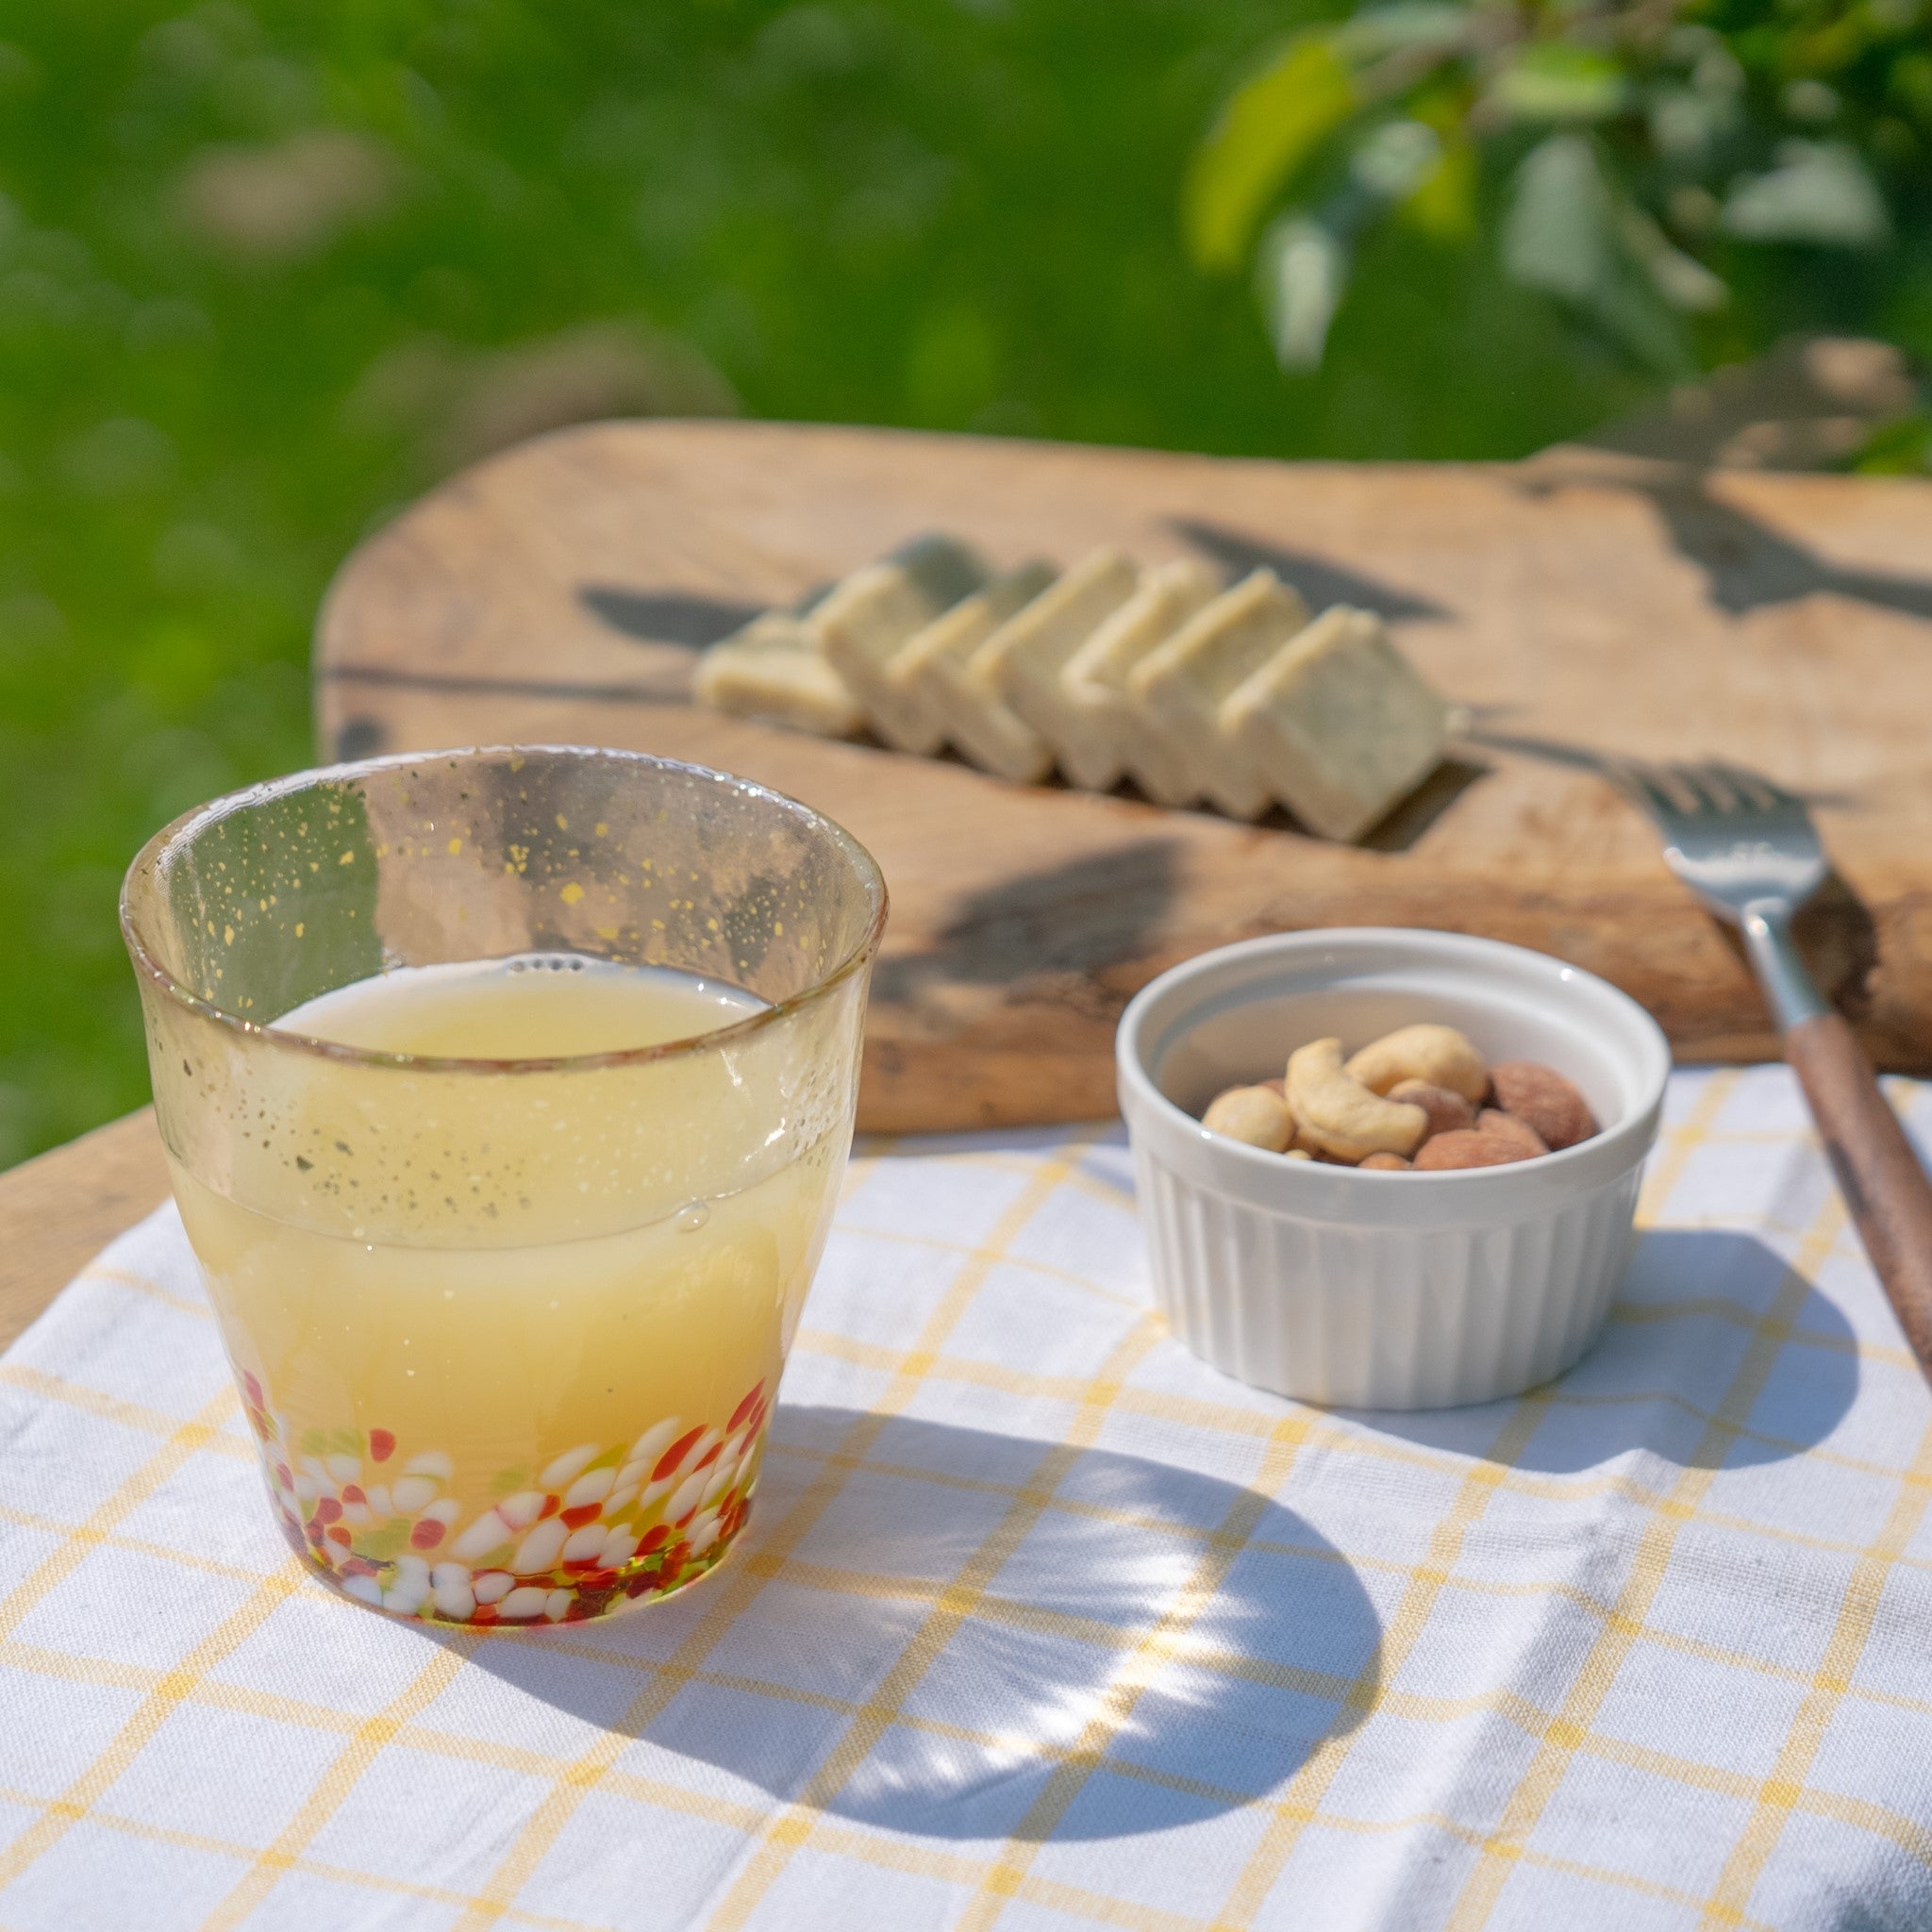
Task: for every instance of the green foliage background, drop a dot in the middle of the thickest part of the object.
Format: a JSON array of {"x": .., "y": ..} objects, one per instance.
[
  {"x": 1646, "y": 163},
  {"x": 963, "y": 216}
]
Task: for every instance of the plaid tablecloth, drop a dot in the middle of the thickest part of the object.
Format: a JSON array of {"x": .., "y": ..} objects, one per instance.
[{"x": 1042, "y": 1622}]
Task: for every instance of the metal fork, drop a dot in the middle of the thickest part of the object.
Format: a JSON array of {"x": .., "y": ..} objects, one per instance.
[{"x": 1749, "y": 850}]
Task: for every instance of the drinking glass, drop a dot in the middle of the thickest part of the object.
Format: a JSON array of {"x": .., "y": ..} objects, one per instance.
[{"x": 508, "y": 1332}]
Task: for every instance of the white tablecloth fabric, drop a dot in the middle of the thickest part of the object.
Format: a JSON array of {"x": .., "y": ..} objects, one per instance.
[{"x": 1041, "y": 1624}]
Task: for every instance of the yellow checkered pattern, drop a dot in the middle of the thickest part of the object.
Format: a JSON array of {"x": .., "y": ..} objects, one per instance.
[{"x": 1041, "y": 1623}]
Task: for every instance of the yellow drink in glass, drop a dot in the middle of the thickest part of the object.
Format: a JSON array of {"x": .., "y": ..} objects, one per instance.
[{"x": 508, "y": 1251}]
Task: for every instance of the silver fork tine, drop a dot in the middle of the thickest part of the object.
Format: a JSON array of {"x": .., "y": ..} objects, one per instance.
[
  {"x": 1736, "y": 790},
  {"x": 1707, "y": 785},
  {"x": 1663, "y": 782},
  {"x": 1754, "y": 787},
  {"x": 1642, "y": 782}
]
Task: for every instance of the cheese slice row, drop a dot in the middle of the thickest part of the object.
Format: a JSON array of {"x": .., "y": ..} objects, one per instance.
[{"x": 1196, "y": 692}]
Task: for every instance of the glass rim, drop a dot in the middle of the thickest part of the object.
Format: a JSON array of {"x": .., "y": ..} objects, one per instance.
[{"x": 198, "y": 817}]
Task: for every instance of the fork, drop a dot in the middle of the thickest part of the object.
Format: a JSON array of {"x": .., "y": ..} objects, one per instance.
[{"x": 1749, "y": 850}]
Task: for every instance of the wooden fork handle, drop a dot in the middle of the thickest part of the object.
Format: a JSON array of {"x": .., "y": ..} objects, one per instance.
[{"x": 1884, "y": 1186}]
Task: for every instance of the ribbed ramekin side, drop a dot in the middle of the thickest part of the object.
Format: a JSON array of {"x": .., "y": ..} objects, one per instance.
[{"x": 1382, "y": 1317}]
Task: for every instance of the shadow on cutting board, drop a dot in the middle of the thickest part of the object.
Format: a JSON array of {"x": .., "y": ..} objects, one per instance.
[
  {"x": 1835, "y": 929},
  {"x": 1690, "y": 1369},
  {"x": 1057, "y": 923},
  {"x": 667, "y": 617},
  {"x": 965, "y": 1612},
  {"x": 1748, "y": 564},
  {"x": 1320, "y": 582}
]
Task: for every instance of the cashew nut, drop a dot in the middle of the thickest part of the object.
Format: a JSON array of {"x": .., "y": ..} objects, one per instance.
[
  {"x": 1439, "y": 1054},
  {"x": 1252, "y": 1114},
  {"x": 1335, "y": 1114}
]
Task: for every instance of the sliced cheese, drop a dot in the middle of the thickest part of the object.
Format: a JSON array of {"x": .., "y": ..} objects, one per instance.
[
  {"x": 927, "y": 676},
  {"x": 1024, "y": 658},
  {"x": 1181, "y": 685},
  {"x": 773, "y": 671},
  {"x": 865, "y": 619},
  {"x": 1095, "y": 677},
  {"x": 1339, "y": 724}
]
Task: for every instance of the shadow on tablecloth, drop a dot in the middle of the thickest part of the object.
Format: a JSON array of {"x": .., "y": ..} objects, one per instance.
[
  {"x": 1662, "y": 1380},
  {"x": 985, "y": 1635}
]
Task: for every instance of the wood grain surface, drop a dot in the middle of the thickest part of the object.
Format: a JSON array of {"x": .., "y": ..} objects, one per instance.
[
  {"x": 59, "y": 1211},
  {"x": 1582, "y": 607}
]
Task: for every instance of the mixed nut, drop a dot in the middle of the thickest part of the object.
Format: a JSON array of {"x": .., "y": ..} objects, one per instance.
[{"x": 1421, "y": 1098}]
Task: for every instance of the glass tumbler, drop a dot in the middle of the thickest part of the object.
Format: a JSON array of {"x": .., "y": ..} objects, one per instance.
[{"x": 509, "y": 1331}]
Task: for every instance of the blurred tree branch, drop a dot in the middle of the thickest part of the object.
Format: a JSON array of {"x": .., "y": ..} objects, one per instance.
[{"x": 1636, "y": 162}]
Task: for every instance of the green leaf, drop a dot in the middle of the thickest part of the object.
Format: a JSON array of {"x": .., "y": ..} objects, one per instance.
[
  {"x": 1444, "y": 206},
  {"x": 1681, "y": 279},
  {"x": 1271, "y": 128},
  {"x": 1820, "y": 193},
  {"x": 1301, "y": 270},
  {"x": 1566, "y": 233},
  {"x": 1556, "y": 236},
  {"x": 1687, "y": 125},
  {"x": 1552, "y": 81},
  {"x": 1900, "y": 449},
  {"x": 1395, "y": 159},
  {"x": 1405, "y": 28}
]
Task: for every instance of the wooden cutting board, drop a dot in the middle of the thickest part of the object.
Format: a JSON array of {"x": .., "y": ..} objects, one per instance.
[{"x": 558, "y": 593}]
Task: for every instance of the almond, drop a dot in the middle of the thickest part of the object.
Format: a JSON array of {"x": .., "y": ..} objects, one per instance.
[
  {"x": 1495, "y": 1140},
  {"x": 1542, "y": 1098},
  {"x": 1512, "y": 1132},
  {"x": 1448, "y": 1112}
]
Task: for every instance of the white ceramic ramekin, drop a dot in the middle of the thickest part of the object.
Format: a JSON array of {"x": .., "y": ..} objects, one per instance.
[{"x": 1383, "y": 1290}]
